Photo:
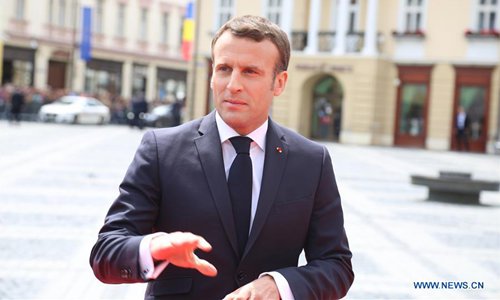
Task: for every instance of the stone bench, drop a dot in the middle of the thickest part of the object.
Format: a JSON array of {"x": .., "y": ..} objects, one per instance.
[{"x": 455, "y": 187}]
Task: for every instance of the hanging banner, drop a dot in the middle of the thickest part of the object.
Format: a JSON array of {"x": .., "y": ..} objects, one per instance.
[
  {"x": 188, "y": 32},
  {"x": 86, "y": 42}
]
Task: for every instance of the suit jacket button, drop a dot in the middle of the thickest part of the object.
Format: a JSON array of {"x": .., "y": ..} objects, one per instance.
[
  {"x": 241, "y": 276},
  {"x": 125, "y": 273}
]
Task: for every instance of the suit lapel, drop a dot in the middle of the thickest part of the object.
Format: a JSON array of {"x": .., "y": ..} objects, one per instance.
[
  {"x": 210, "y": 152},
  {"x": 274, "y": 165}
]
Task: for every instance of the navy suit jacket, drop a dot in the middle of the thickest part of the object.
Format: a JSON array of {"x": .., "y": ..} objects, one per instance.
[{"x": 176, "y": 182}]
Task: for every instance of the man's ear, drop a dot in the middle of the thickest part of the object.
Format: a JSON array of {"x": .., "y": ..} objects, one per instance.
[{"x": 280, "y": 82}]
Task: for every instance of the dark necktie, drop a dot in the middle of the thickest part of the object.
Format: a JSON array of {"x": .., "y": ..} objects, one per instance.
[{"x": 240, "y": 188}]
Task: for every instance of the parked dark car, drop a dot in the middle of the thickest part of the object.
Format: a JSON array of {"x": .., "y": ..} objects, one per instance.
[{"x": 160, "y": 116}]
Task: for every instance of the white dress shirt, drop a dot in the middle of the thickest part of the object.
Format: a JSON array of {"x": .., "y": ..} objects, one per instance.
[
  {"x": 461, "y": 120},
  {"x": 257, "y": 154}
]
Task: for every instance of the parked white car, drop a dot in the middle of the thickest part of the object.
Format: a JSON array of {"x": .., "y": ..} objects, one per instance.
[{"x": 76, "y": 110}]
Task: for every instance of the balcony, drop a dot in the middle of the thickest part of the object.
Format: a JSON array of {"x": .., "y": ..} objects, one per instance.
[
  {"x": 326, "y": 41},
  {"x": 482, "y": 34},
  {"x": 416, "y": 34}
]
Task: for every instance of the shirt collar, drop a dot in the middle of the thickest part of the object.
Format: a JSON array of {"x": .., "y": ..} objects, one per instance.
[{"x": 226, "y": 132}]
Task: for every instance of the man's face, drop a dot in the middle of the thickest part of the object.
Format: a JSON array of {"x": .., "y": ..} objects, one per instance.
[{"x": 243, "y": 82}]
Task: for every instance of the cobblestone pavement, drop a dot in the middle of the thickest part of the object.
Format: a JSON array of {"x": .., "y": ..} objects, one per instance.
[
  {"x": 57, "y": 181},
  {"x": 399, "y": 239},
  {"x": 56, "y": 184}
]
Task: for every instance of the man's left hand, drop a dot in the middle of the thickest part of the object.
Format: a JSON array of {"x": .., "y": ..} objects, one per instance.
[{"x": 263, "y": 288}]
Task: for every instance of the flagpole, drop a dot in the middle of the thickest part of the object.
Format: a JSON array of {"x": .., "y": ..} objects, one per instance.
[
  {"x": 194, "y": 62},
  {"x": 71, "y": 61}
]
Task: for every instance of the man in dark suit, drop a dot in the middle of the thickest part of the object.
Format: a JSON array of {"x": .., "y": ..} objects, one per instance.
[
  {"x": 17, "y": 103},
  {"x": 181, "y": 212}
]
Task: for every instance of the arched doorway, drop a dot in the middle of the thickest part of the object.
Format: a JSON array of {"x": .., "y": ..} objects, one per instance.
[{"x": 326, "y": 110}]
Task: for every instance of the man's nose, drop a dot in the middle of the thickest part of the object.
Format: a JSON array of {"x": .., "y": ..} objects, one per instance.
[{"x": 234, "y": 85}]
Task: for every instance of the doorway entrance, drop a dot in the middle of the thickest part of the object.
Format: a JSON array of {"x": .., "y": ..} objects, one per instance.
[
  {"x": 326, "y": 117},
  {"x": 472, "y": 90},
  {"x": 412, "y": 105},
  {"x": 57, "y": 74}
]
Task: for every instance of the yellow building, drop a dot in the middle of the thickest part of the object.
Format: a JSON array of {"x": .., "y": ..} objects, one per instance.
[
  {"x": 135, "y": 47},
  {"x": 375, "y": 72}
]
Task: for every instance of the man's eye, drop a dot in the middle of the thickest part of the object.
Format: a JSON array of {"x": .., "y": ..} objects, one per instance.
[{"x": 223, "y": 69}]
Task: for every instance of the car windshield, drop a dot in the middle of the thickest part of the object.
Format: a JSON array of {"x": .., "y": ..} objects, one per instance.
[
  {"x": 66, "y": 101},
  {"x": 78, "y": 101}
]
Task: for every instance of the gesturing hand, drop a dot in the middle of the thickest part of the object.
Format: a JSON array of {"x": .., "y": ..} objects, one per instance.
[
  {"x": 178, "y": 248},
  {"x": 263, "y": 288}
]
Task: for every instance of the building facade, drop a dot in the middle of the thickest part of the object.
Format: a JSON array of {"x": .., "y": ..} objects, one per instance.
[
  {"x": 376, "y": 72},
  {"x": 135, "y": 47}
]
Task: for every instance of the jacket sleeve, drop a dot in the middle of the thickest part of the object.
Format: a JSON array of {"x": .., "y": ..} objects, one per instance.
[
  {"x": 328, "y": 273},
  {"x": 115, "y": 256}
]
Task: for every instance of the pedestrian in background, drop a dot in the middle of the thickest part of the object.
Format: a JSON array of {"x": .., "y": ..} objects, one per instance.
[
  {"x": 222, "y": 207},
  {"x": 16, "y": 105},
  {"x": 462, "y": 129},
  {"x": 139, "y": 108}
]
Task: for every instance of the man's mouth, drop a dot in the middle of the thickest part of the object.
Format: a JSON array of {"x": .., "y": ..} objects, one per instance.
[{"x": 235, "y": 102}]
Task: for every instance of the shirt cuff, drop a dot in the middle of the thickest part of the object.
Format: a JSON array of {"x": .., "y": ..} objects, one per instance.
[
  {"x": 281, "y": 284},
  {"x": 148, "y": 269}
]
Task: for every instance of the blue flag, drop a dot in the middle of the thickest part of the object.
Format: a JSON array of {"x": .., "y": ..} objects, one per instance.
[{"x": 85, "y": 45}]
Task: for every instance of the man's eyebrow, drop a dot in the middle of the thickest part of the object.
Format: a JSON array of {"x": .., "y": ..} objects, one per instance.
[
  {"x": 253, "y": 67},
  {"x": 223, "y": 64}
]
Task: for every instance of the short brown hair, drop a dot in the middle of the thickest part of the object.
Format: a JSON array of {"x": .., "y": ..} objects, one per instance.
[{"x": 258, "y": 28}]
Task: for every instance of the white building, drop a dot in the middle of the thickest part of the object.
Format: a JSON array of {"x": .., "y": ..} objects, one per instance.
[
  {"x": 393, "y": 72},
  {"x": 135, "y": 47}
]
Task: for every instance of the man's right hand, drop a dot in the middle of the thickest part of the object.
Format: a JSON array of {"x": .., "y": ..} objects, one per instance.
[{"x": 178, "y": 248}]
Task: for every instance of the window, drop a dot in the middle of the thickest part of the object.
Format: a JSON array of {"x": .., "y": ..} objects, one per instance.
[
  {"x": 487, "y": 12},
  {"x": 225, "y": 12},
  {"x": 411, "y": 117},
  {"x": 164, "y": 27},
  {"x": 22, "y": 73},
  {"x": 102, "y": 81},
  {"x": 98, "y": 16},
  {"x": 274, "y": 11},
  {"x": 353, "y": 16},
  {"x": 120, "y": 20},
  {"x": 62, "y": 12},
  {"x": 143, "y": 27},
  {"x": 20, "y": 9},
  {"x": 50, "y": 18},
  {"x": 411, "y": 108},
  {"x": 139, "y": 79},
  {"x": 413, "y": 12},
  {"x": 472, "y": 99}
]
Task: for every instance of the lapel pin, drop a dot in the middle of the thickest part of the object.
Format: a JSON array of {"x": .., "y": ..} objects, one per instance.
[{"x": 279, "y": 149}]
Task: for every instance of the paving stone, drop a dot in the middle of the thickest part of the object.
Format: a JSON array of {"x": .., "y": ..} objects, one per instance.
[{"x": 57, "y": 182}]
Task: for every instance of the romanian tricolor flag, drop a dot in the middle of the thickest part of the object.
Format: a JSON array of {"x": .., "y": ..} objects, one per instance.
[{"x": 188, "y": 32}]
